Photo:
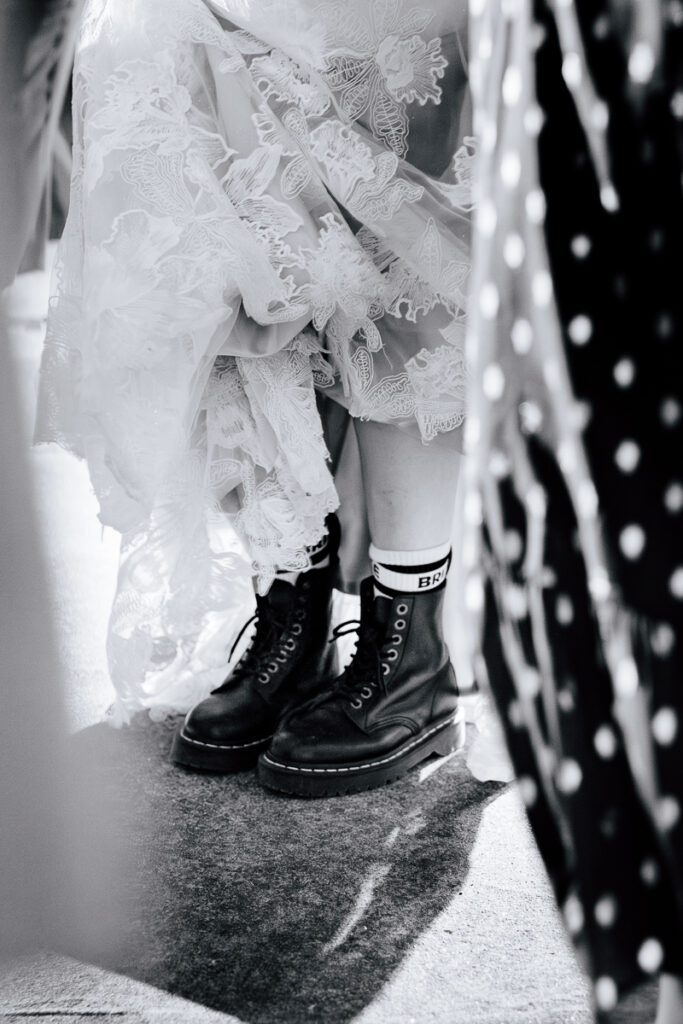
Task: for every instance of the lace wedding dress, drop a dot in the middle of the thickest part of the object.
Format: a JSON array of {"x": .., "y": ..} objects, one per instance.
[{"x": 267, "y": 199}]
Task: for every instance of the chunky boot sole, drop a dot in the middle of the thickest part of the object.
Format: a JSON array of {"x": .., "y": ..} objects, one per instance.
[
  {"x": 210, "y": 757},
  {"x": 444, "y": 738}
]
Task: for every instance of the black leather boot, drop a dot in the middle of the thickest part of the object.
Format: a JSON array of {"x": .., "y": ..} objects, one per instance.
[
  {"x": 395, "y": 705},
  {"x": 288, "y": 658}
]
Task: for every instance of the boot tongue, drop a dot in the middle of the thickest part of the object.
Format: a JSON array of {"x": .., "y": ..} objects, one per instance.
[
  {"x": 280, "y": 597},
  {"x": 378, "y": 607}
]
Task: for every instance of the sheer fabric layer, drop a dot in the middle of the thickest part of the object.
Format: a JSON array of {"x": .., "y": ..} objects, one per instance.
[{"x": 248, "y": 223}]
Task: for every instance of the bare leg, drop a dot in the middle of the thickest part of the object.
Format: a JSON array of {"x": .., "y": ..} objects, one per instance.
[{"x": 410, "y": 486}]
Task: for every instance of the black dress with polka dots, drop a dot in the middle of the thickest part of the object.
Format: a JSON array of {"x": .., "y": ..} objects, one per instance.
[{"x": 599, "y": 745}]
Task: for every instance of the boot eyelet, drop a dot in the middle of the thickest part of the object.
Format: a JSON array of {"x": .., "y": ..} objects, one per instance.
[
  {"x": 391, "y": 655},
  {"x": 385, "y": 668},
  {"x": 357, "y": 704},
  {"x": 281, "y": 657},
  {"x": 297, "y": 629},
  {"x": 396, "y": 639},
  {"x": 300, "y": 615},
  {"x": 289, "y": 644},
  {"x": 400, "y": 624},
  {"x": 273, "y": 667},
  {"x": 263, "y": 677},
  {"x": 366, "y": 692},
  {"x": 402, "y": 609}
]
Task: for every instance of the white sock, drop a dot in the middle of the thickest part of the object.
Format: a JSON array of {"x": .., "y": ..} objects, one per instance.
[
  {"x": 319, "y": 555},
  {"x": 409, "y": 572}
]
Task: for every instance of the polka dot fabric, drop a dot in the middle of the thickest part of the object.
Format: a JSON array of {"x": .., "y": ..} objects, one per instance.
[{"x": 575, "y": 434}]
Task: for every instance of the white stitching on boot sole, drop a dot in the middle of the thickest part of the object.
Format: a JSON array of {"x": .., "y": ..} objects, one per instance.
[
  {"x": 224, "y": 746},
  {"x": 368, "y": 764}
]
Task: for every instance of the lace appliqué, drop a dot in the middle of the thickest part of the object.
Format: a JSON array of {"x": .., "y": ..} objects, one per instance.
[{"x": 380, "y": 63}]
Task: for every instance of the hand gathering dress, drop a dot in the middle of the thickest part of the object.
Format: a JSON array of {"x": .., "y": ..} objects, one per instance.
[
  {"x": 270, "y": 200},
  {"x": 575, "y": 494}
]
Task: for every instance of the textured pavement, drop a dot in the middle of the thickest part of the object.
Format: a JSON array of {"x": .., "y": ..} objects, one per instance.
[{"x": 424, "y": 903}]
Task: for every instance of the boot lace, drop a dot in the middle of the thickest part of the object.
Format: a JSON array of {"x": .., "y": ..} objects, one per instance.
[
  {"x": 273, "y": 642},
  {"x": 360, "y": 678}
]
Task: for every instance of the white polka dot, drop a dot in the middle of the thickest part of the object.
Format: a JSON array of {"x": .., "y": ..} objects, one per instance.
[
  {"x": 534, "y": 204},
  {"x": 487, "y": 218},
  {"x": 512, "y": 85},
  {"x": 513, "y": 251},
  {"x": 670, "y": 412},
  {"x": 625, "y": 372},
  {"x": 513, "y": 545},
  {"x": 587, "y": 499},
  {"x": 541, "y": 288},
  {"x": 673, "y": 497},
  {"x": 676, "y": 583},
  {"x": 531, "y": 416},
  {"x": 489, "y": 300},
  {"x": 514, "y": 601},
  {"x": 627, "y": 456},
  {"x": 522, "y": 336},
  {"x": 605, "y": 742},
  {"x": 510, "y": 169},
  {"x": 605, "y": 911},
  {"x": 567, "y": 456},
  {"x": 493, "y": 382},
  {"x": 552, "y": 374},
  {"x": 528, "y": 790},
  {"x": 579, "y": 414},
  {"x": 649, "y": 871},
  {"x": 474, "y": 594},
  {"x": 569, "y": 776},
  {"x": 677, "y": 104},
  {"x": 626, "y": 678},
  {"x": 473, "y": 510},
  {"x": 606, "y": 994},
  {"x": 599, "y": 116},
  {"x": 632, "y": 541},
  {"x": 665, "y": 726},
  {"x": 663, "y": 639},
  {"x": 564, "y": 610},
  {"x": 581, "y": 245},
  {"x": 515, "y": 714},
  {"x": 580, "y": 329},
  {"x": 499, "y": 464},
  {"x": 536, "y": 501},
  {"x": 573, "y": 914},
  {"x": 664, "y": 325},
  {"x": 533, "y": 121},
  {"x": 488, "y": 135},
  {"x": 609, "y": 198},
  {"x": 472, "y": 433},
  {"x": 571, "y": 70},
  {"x": 529, "y": 683},
  {"x": 601, "y": 27},
  {"x": 565, "y": 698},
  {"x": 599, "y": 585},
  {"x": 641, "y": 63},
  {"x": 650, "y": 956},
  {"x": 485, "y": 47},
  {"x": 668, "y": 812}
]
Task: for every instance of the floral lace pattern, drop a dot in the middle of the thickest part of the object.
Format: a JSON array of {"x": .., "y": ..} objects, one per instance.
[
  {"x": 379, "y": 62},
  {"x": 209, "y": 280}
]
